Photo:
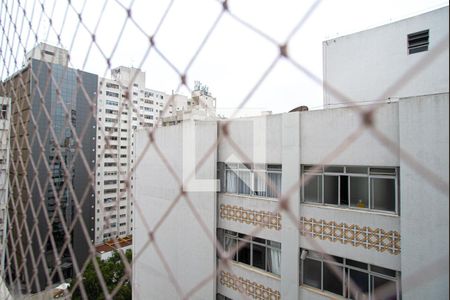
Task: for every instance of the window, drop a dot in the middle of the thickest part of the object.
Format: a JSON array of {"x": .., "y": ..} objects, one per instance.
[
  {"x": 349, "y": 186},
  {"x": 3, "y": 112},
  {"x": 110, "y": 102},
  {"x": 109, "y": 200},
  {"x": 111, "y": 111},
  {"x": 48, "y": 52},
  {"x": 110, "y": 129},
  {"x": 111, "y": 94},
  {"x": 112, "y": 85},
  {"x": 246, "y": 179},
  {"x": 253, "y": 251},
  {"x": 319, "y": 271},
  {"x": 110, "y": 120},
  {"x": 110, "y": 164},
  {"x": 418, "y": 41},
  {"x": 108, "y": 191}
]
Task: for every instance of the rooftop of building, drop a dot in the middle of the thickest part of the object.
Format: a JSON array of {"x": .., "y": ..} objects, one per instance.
[
  {"x": 389, "y": 23},
  {"x": 113, "y": 245}
]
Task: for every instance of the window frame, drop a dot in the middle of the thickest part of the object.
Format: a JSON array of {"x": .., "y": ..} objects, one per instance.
[
  {"x": 317, "y": 256},
  {"x": 252, "y": 170},
  {"x": 321, "y": 172},
  {"x": 250, "y": 241}
]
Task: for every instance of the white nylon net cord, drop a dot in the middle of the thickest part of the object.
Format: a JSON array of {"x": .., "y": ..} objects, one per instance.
[{"x": 46, "y": 219}]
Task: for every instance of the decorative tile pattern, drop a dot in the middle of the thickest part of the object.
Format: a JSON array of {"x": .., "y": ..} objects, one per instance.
[
  {"x": 239, "y": 214},
  {"x": 355, "y": 235},
  {"x": 250, "y": 288}
]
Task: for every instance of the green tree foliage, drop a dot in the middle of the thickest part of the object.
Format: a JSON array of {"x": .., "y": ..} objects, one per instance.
[{"x": 113, "y": 269}]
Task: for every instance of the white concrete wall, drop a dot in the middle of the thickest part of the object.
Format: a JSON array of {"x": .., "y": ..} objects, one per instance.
[
  {"x": 186, "y": 249},
  {"x": 259, "y": 135},
  {"x": 362, "y": 66},
  {"x": 424, "y": 134},
  {"x": 291, "y": 157},
  {"x": 49, "y": 53},
  {"x": 323, "y": 131}
]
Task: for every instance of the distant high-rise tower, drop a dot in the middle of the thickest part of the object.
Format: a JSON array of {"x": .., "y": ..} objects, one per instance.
[
  {"x": 124, "y": 105},
  {"x": 5, "y": 114},
  {"x": 52, "y": 159}
]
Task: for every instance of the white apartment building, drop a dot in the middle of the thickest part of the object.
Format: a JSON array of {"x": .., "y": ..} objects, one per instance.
[
  {"x": 5, "y": 112},
  {"x": 124, "y": 104},
  {"x": 362, "y": 67},
  {"x": 380, "y": 218},
  {"x": 200, "y": 106},
  {"x": 370, "y": 212},
  {"x": 49, "y": 53}
]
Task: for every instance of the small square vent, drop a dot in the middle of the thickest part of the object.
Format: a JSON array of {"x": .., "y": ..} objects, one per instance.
[{"x": 418, "y": 41}]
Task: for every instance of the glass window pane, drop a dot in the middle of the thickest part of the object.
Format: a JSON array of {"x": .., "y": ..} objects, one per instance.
[
  {"x": 313, "y": 188},
  {"x": 260, "y": 184},
  {"x": 274, "y": 244},
  {"x": 383, "y": 271},
  {"x": 259, "y": 240},
  {"x": 231, "y": 181},
  {"x": 383, "y": 193},
  {"x": 358, "y": 285},
  {"x": 244, "y": 236},
  {"x": 244, "y": 252},
  {"x": 359, "y": 192},
  {"x": 316, "y": 169},
  {"x": 330, "y": 195},
  {"x": 274, "y": 260},
  {"x": 244, "y": 183},
  {"x": 274, "y": 167},
  {"x": 357, "y": 170},
  {"x": 332, "y": 258},
  {"x": 382, "y": 171},
  {"x": 334, "y": 169},
  {"x": 274, "y": 185},
  {"x": 332, "y": 282},
  {"x": 387, "y": 287},
  {"x": 312, "y": 272},
  {"x": 356, "y": 264},
  {"x": 344, "y": 190},
  {"x": 259, "y": 256},
  {"x": 230, "y": 245}
]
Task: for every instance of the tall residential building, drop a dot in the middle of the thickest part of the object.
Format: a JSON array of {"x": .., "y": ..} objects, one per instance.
[
  {"x": 124, "y": 105},
  {"x": 53, "y": 151},
  {"x": 5, "y": 115},
  {"x": 368, "y": 219},
  {"x": 362, "y": 67}
]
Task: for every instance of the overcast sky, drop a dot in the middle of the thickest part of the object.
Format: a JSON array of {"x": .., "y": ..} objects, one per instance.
[{"x": 233, "y": 58}]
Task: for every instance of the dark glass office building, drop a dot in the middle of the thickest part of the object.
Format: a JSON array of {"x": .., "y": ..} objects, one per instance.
[{"x": 53, "y": 150}]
